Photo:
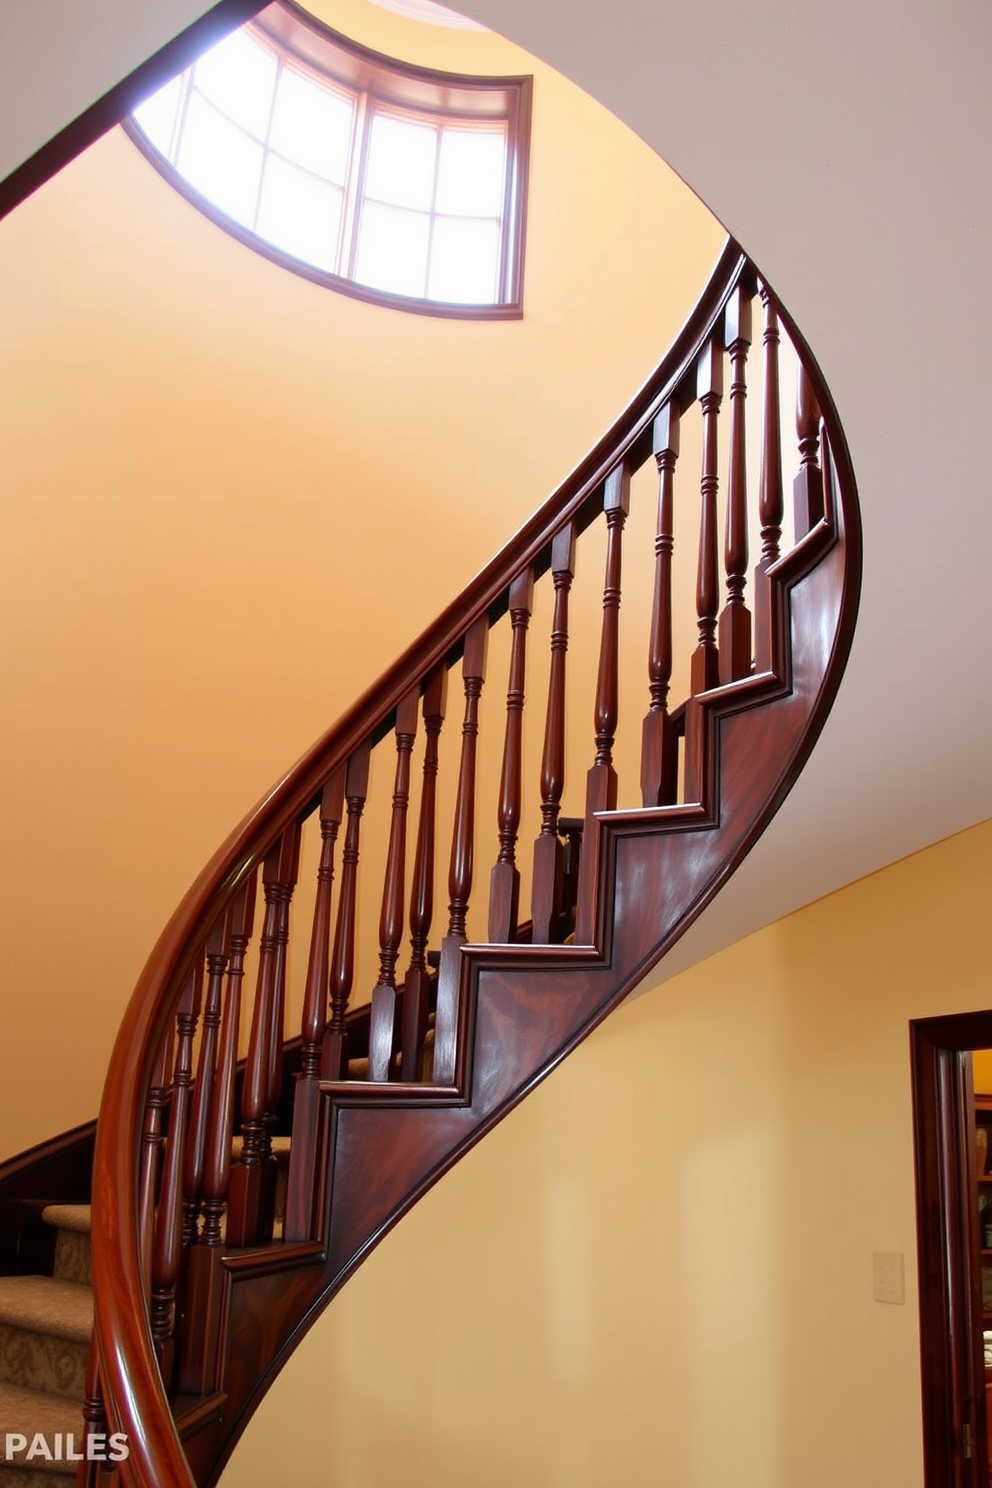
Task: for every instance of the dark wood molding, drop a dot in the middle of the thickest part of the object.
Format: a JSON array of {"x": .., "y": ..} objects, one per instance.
[
  {"x": 955, "y": 1436},
  {"x": 55, "y": 1171},
  {"x": 115, "y": 105},
  {"x": 506, "y": 1013}
]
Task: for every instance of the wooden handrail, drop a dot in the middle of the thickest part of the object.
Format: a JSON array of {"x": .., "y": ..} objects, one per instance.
[{"x": 130, "y": 1369}]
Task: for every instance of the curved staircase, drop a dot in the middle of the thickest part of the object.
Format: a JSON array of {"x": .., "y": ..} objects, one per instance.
[{"x": 199, "y": 1298}]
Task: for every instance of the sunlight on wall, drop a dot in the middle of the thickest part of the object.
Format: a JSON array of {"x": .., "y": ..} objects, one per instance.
[{"x": 234, "y": 497}]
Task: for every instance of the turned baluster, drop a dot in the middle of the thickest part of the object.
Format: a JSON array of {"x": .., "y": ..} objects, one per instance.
[
  {"x": 659, "y": 743},
  {"x": 546, "y": 897},
  {"x": 168, "y": 1222},
  {"x": 705, "y": 672},
  {"x": 303, "y": 1147},
  {"x": 460, "y": 869},
  {"x": 504, "y": 883},
  {"x": 807, "y": 488},
  {"x": 151, "y": 1146},
  {"x": 282, "y": 892},
  {"x": 416, "y": 986},
  {"x": 220, "y": 1124},
  {"x": 735, "y": 621},
  {"x": 217, "y": 956},
  {"x": 334, "y": 1056},
  {"x": 382, "y": 1027},
  {"x": 771, "y": 505},
  {"x": 601, "y": 782},
  {"x": 247, "y": 1221},
  {"x": 95, "y": 1423}
]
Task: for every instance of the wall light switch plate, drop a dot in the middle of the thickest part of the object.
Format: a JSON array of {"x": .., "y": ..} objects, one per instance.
[{"x": 889, "y": 1272}]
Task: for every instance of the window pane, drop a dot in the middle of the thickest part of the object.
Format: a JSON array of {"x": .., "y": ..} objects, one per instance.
[
  {"x": 157, "y": 115},
  {"x": 300, "y": 214},
  {"x": 470, "y": 172},
  {"x": 392, "y": 250},
  {"x": 464, "y": 261},
  {"x": 238, "y": 76},
  {"x": 312, "y": 126},
  {"x": 401, "y": 163},
  {"x": 220, "y": 160}
]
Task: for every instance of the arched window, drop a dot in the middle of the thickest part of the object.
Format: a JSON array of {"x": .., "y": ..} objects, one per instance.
[{"x": 392, "y": 182}]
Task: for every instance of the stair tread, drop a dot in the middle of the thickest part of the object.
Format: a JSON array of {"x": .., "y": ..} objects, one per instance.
[
  {"x": 63, "y": 1309},
  {"x": 68, "y": 1217},
  {"x": 46, "y": 1413}
]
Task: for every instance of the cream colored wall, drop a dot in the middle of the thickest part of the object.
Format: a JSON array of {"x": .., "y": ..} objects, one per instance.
[
  {"x": 230, "y": 498},
  {"x": 658, "y": 1270}
]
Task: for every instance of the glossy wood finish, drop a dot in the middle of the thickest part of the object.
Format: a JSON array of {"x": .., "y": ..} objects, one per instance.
[
  {"x": 168, "y": 1217},
  {"x": 302, "y": 1171},
  {"x": 734, "y": 641},
  {"x": 547, "y": 902},
  {"x": 601, "y": 782},
  {"x": 807, "y": 488},
  {"x": 709, "y": 390},
  {"x": 771, "y": 507},
  {"x": 659, "y": 745},
  {"x": 416, "y": 986},
  {"x": 504, "y": 883},
  {"x": 506, "y": 1011},
  {"x": 383, "y": 1030},
  {"x": 334, "y": 1057},
  {"x": 246, "y": 1219},
  {"x": 462, "y": 857},
  {"x": 220, "y": 1126}
]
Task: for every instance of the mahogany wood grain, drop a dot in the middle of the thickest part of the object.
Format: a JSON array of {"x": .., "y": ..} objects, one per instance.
[
  {"x": 303, "y": 1152},
  {"x": 504, "y": 883},
  {"x": 462, "y": 855},
  {"x": 246, "y": 1217},
  {"x": 218, "y": 954},
  {"x": 151, "y": 1146},
  {"x": 383, "y": 1030},
  {"x": 169, "y": 1214},
  {"x": 659, "y": 744},
  {"x": 220, "y": 1124},
  {"x": 334, "y": 1055},
  {"x": 734, "y": 638},
  {"x": 601, "y": 782},
  {"x": 416, "y": 985},
  {"x": 771, "y": 506},
  {"x": 705, "y": 671},
  {"x": 547, "y": 905},
  {"x": 512, "y": 1011},
  {"x": 807, "y": 488}
]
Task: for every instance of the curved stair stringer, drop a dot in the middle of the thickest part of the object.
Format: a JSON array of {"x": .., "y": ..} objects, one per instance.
[
  {"x": 373, "y": 1147},
  {"x": 522, "y": 1008}
]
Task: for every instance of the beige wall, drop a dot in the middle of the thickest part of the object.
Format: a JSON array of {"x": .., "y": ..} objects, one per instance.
[
  {"x": 230, "y": 498},
  {"x": 657, "y": 1272}
]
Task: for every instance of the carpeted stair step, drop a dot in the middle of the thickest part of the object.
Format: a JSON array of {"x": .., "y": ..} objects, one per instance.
[
  {"x": 45, "y": 1328},
  {"x": 73, "y": 1260},
  {"x": 28, "y": 1413}
]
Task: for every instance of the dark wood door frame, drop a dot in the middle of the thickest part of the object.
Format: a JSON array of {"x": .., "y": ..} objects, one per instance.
[{"x": 955, "y": 1452}]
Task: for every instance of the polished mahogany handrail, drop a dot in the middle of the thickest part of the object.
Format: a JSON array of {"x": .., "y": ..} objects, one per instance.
[{"x": 129, "y": 1365}]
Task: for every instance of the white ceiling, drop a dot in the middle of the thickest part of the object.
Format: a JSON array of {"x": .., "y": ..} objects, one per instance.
[{"x": 848, "y": 148}]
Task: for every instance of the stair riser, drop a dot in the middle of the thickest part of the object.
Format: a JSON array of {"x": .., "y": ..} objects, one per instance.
[
  {"x": 38, "y": 1361},
  {"x": 73, "y": 1261}
]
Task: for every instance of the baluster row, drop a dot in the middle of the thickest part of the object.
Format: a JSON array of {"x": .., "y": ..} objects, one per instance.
[{"x": 193, "y": 1196}]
